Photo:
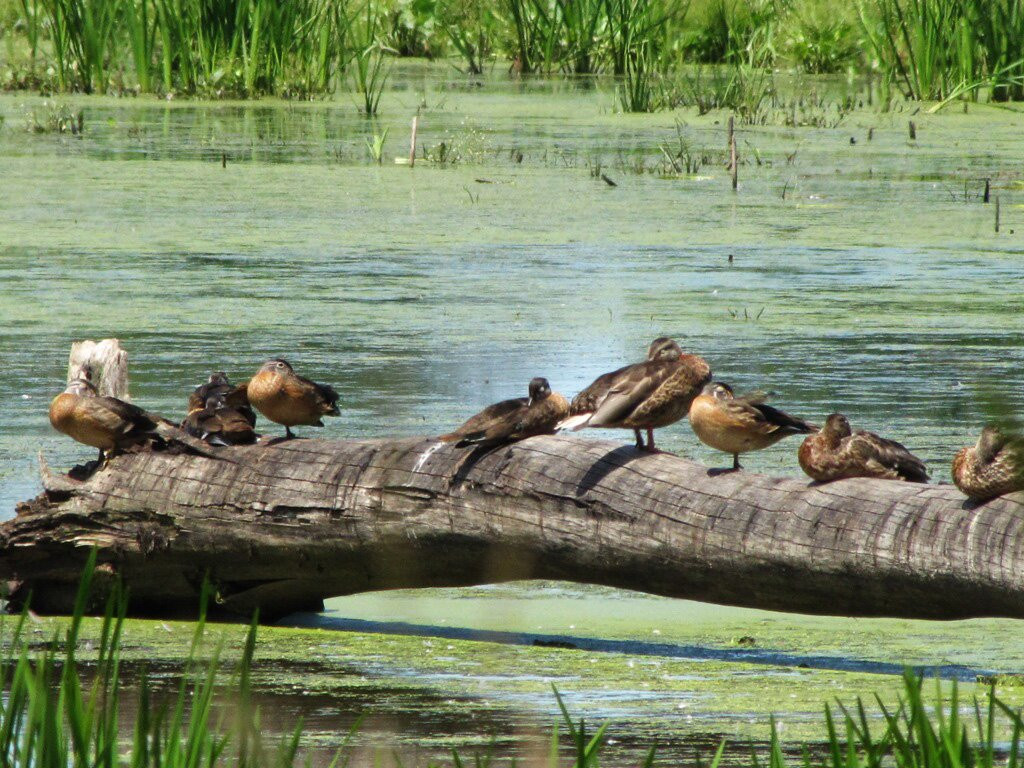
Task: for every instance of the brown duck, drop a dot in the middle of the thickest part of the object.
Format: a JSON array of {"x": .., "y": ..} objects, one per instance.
[
  {"x": 515, "y": 419},
  {"x": 837, "y": 452},
  {"x": 219, "y": 424},
  {"x": 231, "y": 396},
  {"x": 288, "y": 399},
  {"x": 643, "y": 396},
  {"x": 993, "y": 467},
  {"x": 106, "y": 423},
  {"x": 740, "y": 424}
]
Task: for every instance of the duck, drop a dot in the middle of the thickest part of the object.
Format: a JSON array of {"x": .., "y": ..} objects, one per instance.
[
  {"x": 994, "y": 466},
  {"x": 220, "y": 424},
  {"x": 737, "y": 425},
  {"x": 107, "y": 423},
  {"x": 837, "y": 452},
  {"x": 643, "y": 396},
  {"x": 218, "y": 386},
  {"x": 288, "y": 399},
  {"x": 515, "y": 419}
]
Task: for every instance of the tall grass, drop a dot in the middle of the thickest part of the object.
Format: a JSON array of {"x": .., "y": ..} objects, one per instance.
[
  {"x": 58, "y": 712},
  {"x": 937, "y": 49}
]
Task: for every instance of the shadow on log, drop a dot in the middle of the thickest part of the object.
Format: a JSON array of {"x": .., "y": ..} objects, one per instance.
[{"x": 281, "y": 527}]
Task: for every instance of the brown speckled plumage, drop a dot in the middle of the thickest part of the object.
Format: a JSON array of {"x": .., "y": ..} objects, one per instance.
[
  {"x": 219, "y": 424},
  {"x": 644, "y": 396},
  {"x": 288, "y": 399},
  {"x": 218, "y": 386},
  {"x": 836, "y": 452},
  {"x": 992, "y": 467},
  {"x": 737, "y": 425},
  {"x": 515, "y": 419}
]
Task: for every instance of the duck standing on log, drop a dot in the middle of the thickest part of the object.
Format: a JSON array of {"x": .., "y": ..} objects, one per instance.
[
  {"x": 994, "y": 466},
  {"x": 837, "y": 452},
  {"x": 643, "y": 396},
  {"x": 739, "y": 424},
  {"x": 106, "y": 423},
  {"x": 515, "y": 419},
  {"x": 288, "y": 399}
]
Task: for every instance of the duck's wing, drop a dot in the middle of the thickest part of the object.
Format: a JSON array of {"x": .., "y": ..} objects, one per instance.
[
  {"x": 491, "y": 420},
  {"x": 324, "y": 395},
  {"x": 232, "y": 426},
  {"x": 130, "y": 418},
  {"x": 542, "y": 418},
  {"x": 587, "y": 400},
  {"x": 888, "y": 454},
  {"x": 780, "y": 421},
  {"x": 632, "y": 387}
]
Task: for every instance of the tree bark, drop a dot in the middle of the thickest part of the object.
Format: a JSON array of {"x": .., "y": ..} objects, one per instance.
[{"x": 281, "y": 527}]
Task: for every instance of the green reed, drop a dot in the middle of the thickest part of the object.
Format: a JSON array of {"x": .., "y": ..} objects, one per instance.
[
  {"x": 941, "y": 49},
  {"x": 57, "y": 711}
]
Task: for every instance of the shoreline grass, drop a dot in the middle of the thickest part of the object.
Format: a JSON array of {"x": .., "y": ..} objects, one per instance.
[
  {"x": 924, "y": 49},
  {"x": 57, "y": 711}
]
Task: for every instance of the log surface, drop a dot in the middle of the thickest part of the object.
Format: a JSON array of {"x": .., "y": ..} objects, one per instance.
[{"x": 281, "y": 527}]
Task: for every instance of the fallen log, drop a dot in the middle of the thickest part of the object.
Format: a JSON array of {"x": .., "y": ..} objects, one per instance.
[{"x": 280, "y": 527}]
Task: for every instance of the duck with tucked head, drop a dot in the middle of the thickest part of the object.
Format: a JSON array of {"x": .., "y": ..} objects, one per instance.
[
  {"x": 737, "y": 425},
  {"x": 837, "y": 452},
  {"x": 643, "y": 396},
  {"x": 218, "y": 386},
  {"x": 106, "y": 423},
  {"x": 220, "y": 424},
  {"x": 992, "y": 467},
  {"x": 515, "y": 419},
  {"x": 288, "y": 399}
]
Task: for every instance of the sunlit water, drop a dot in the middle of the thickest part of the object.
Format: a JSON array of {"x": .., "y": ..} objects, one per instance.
[{"x": 866, "y": 277}]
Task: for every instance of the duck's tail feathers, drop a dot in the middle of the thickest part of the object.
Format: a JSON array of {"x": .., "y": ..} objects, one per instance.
[{"x": 575, "y": 422}]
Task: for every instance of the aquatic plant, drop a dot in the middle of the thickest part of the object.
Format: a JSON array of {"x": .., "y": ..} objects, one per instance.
[
  {"x": 60, "y": 711},
  {"x": 83, "y": 34},
  {"x": 370, "y": 69},
  {"x": 941, "y": 49},
  {"x": 376, "y": 146}
]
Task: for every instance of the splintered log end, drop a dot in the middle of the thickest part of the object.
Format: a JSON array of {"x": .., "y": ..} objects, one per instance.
[{"x": 108, "y": 361}]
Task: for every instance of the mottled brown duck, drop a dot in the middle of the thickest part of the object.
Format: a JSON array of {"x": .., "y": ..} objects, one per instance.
[
  {"x": 219, "y": 424},
  {"x": 643, "y": 396},
  {"x": 994, "y": 466},
  {"x": 218, "y": 386},
  {"x": 741, "y": 424},
  {"x": 837, "y": 452}
]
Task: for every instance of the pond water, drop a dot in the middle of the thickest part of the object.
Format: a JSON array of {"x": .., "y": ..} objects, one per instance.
[{"x": 866, "y": 277}]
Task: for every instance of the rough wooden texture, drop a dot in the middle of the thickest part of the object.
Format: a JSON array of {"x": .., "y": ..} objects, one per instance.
[
  {"x": 108, "y": 361},
  {"x": 284, "y": 526}
]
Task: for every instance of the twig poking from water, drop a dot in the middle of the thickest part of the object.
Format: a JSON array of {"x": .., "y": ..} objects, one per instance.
[
  {"x": 732, "y": 127},
  {"x": 988, "y": 189},
  {"x": 412, "y": 141},
  {"x": 223, "y": 159},
  {"x": 997, "y": 213},
  {"x": 606, "y": 180},
  {"x": 472, "y": 198},
  {"x": 871, "y": 133},
  {"x": 912, "y": 129},
  {"x": 735, "y": 165},
  {"x": 785, "y": 187}
]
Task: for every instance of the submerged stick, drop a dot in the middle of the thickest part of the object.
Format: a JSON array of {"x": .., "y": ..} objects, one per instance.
[
  {"x": 734, "y": 164},
  {"x": 997, "y": 213},
  {"x": 412, "y": 141}
]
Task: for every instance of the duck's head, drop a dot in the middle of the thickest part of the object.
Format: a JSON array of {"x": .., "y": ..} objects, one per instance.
[
  {"x": 81, "y": 386},
  {"x": 539, "y": 389},
  {"x": 718, "y": 390},
  {"x": 219, "y": 378},
  {"x": 664, "y": 348},
  {"x": 837, "y": 426},
  {"x": 990, "y": 442},
  {"x": 276, "y": 365},
  {"x": 215, "y": 401}
]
